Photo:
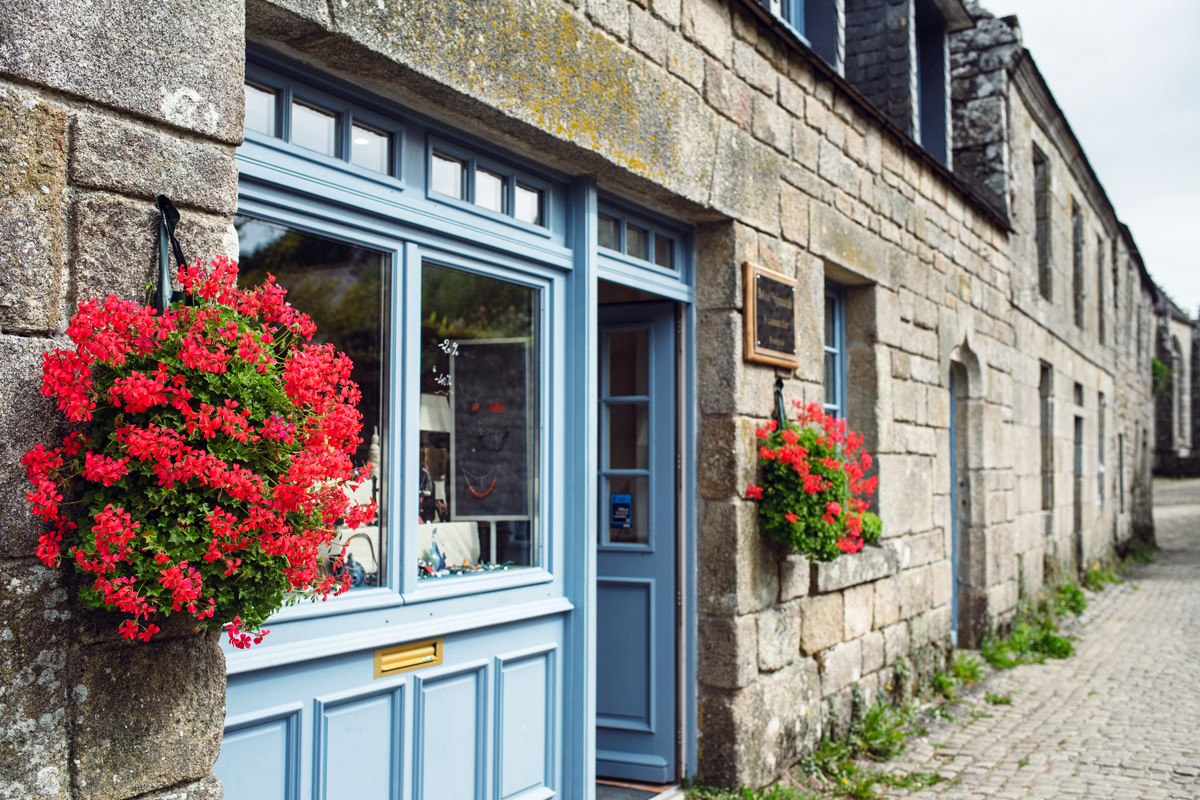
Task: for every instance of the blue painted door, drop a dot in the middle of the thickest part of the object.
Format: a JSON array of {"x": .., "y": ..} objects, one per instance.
[
  {"x": 955, "y": 514},
  {"x": 636, "y": 686}
]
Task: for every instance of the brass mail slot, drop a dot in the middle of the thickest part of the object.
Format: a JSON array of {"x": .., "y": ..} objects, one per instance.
[{"x": 390, "y": 660}]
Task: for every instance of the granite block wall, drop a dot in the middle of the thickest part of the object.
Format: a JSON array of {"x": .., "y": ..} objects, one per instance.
[{"x": 96, "y": 118}]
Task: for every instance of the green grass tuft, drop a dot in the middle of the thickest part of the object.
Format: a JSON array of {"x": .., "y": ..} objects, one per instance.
[
  {"x": 946, "y": 685},
  {"x": 966, "y": 669}
]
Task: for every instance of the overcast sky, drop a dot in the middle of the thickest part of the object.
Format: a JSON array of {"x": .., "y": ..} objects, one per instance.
[{"x": 1127, "y": 76}]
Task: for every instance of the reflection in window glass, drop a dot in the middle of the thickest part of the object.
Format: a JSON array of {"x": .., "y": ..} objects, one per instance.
[
  {"x": 629, "y": 436},
  {"x": 628, "y": 368},
  {"x": 664, "y": 251},
  {"x": 479, "y": 424},
  {"x": 529, "y": 205},
  {"x": 260, "y": 109},
  {"x": 609, "y": 233},
  {"x": 637, "y": 242},
  {"x": 447, "y": 176},
  {"x": 342, "y": 287},
  {"x": 370, "y": 149},
  {"x": 314, "y": 128},
  {"x": 489, "y": 190}
]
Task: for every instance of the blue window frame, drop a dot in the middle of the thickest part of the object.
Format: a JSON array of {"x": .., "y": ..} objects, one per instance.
[
  {"x": 818, "y": 24},
  {"x": 835, "y": 349},
  {"x": 638, "y": 240},
  {"x": 501, "y": 240}
]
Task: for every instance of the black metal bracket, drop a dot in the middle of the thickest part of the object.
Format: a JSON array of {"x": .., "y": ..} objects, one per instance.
[
  {"x": 780, "y": 414},
  {"x": 168, "y": 218}
]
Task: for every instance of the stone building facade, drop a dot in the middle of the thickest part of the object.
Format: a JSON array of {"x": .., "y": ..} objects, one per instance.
[
  {"x": 996, "y": 325},
  {"x": 1175, "y": 390}
]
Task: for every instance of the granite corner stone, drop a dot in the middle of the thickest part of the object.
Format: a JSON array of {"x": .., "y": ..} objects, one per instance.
[{"x": 149, "y": 716}]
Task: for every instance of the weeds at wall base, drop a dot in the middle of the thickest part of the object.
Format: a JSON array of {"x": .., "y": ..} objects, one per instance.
[{"x": 881, "y": 731}]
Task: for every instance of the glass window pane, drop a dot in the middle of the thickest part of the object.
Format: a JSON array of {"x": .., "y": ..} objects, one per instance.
[
  {"x": 664, "y": 251},
  {"x": 342, "y": 288},
  {"x": 628, "y": 367},
  {"x": 260, "y": 109},
  {"x": 628, "y": 501},
  {"x": 529, "y": 205},
  {"x": 609, "y": 233},
  {"x": 370, "y": 149},
  {"x": 478, "y": 424},
  {"x": 831, "y": 398},
  {"x": 489, "y": 190},
  {"x": 830, "y": 322},
  {"x": 637, "y": 242},
  {"x": 314, "y": 128},
  {"x": 628, "y": 436},
  {"x": 447, "y": 177}
]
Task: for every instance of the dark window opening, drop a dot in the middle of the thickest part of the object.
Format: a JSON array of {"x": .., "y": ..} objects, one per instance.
[
  {"x": 1077, "y": 261},
  {"x": 932, "y": 109},
  {"x": 1041, "y": 190}
]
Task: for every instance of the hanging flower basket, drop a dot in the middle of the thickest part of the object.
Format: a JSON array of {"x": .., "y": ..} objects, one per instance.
[
  {"x": 813, "y": 496},
  {"x": 213, "y": 459}
]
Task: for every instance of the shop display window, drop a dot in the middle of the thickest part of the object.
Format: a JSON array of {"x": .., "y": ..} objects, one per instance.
[
  {"x": 342, "y": 287},
  {"x": 478, "y": 424}
]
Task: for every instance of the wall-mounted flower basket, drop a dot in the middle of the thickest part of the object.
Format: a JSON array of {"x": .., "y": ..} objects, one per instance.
[
  {"x": 214, "y": 458},
  {"x": 813, "y": 493}
]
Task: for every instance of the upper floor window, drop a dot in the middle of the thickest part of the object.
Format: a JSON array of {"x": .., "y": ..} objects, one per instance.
[
  {"x": 820, "y": 23},
  {"x": 1101, "y": 314},
  {"x": 835, "y": 349},
  {"x": 1042, "y": 200},
  {"x": 1116, "y": 277},
  {"x": 1077, "y": 261},
  {"x": 933, "y": 111}
]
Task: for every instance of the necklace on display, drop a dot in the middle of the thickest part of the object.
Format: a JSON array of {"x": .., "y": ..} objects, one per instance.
[
  {"x": 476, "y": 482},
  {"x": 492, "y": 439}
]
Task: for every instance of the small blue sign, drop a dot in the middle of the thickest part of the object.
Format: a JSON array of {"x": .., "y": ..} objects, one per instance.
[{"x": 620, "y": 513}]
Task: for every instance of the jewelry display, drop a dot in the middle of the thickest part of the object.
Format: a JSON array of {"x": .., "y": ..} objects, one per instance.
[
  {"x": 475, "y": 482},
  {"x": 493, "y": 440}
]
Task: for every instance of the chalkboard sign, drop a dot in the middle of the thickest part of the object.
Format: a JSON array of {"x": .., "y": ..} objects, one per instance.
[
  {"x": 492, "y": 438},
  {"x": 770, "y": 313}
]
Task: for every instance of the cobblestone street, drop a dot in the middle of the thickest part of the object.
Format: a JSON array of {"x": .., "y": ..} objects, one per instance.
[{"x": 1120, "y": 719}]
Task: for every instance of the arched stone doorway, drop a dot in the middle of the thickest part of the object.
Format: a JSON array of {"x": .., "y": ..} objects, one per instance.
[{"x": 968, "y": 543}]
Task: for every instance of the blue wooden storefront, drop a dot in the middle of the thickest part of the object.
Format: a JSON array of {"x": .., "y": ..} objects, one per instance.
[{"x": 469, "y": 285}]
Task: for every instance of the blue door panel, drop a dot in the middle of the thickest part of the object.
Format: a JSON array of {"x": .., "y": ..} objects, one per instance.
[
  {"x": 265, "y": 755},
  {"x": 448, "y": 737},
  {"x": 358, "y": 752},
  {"x": 625, "y": 629},
  {"x": 525, "y": 725},
  {"x": 483, "y": 725}
]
